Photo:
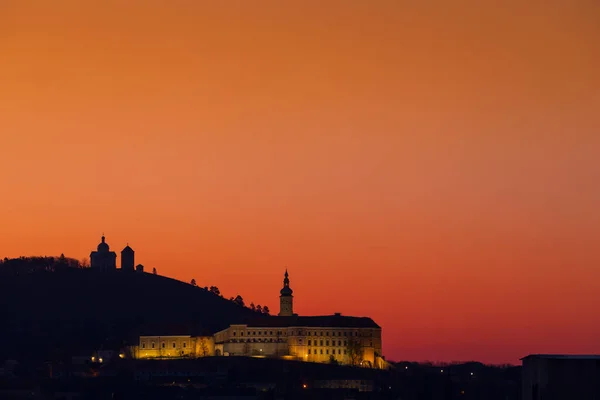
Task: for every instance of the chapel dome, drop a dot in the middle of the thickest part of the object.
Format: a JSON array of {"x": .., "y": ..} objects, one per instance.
[{"x": 103, "y": 246}]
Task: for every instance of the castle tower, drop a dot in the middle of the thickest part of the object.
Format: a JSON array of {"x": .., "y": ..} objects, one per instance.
[
  {"x": 103, "y": 259},
  {"x": 127, "y": 259},
  {"x": 286, "y": 300}
]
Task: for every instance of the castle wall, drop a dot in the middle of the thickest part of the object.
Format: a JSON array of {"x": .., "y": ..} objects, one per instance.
[
  {"x": 314, "y": 344},
  {"x": 175, "y": 346}
]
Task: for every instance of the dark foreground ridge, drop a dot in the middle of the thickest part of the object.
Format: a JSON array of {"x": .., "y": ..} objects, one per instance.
[
  {"x": 260, "y": 378},
  {"x": 48, "y": 315}
]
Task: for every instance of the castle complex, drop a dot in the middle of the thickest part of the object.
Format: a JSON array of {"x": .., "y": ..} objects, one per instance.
[{"x": 327, "y": 338}]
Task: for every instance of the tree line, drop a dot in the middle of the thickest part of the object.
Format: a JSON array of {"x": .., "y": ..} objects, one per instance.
[
  {"x": 28, "y": 265},
  {"x": 239, "y": 300}
]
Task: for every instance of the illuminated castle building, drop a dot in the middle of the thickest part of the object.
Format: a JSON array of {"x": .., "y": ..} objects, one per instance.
[{"x": 327, "y": 338}]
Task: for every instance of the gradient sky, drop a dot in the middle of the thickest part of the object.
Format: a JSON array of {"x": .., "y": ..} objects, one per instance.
[{"x": 431, "y": 164}]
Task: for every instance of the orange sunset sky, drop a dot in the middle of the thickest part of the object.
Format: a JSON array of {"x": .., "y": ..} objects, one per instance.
[{"x": 432, "y": 164}]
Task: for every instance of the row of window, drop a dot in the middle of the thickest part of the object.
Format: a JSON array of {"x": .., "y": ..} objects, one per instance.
[
  {"x": 259, "y": 340},
  {"x": 254, "y": 333},
  {"x": 339, "y": 351},
  {"x": 339, "y": 343},
  {"x": 299, "y": 333},
  {"x": 163, "y": 345},
  {"x": 314, "y": 333}
]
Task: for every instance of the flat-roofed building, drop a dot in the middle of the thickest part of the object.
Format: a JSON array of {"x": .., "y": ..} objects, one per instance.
[
  {"x": 347, "y": 340},
  {"x": 561, "y": 376}
]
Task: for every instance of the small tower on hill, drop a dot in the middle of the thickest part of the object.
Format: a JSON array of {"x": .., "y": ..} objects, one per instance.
[
  {"x": 286, "y": 300},
  {"x": 127, "y": 259}
]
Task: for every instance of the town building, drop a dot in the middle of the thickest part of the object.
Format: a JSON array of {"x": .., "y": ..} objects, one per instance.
[
  {"x": 328, "y": 338},
  {"x": 554, "y": 376}
]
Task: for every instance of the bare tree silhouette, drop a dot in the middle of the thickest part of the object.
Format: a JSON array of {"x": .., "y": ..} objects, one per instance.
[{"x": 355, "y": 351}]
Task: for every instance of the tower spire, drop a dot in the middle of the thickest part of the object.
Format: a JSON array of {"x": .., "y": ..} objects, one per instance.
[{"x": 286, "y": 297}]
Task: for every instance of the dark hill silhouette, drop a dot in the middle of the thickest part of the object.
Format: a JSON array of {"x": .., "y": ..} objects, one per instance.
[
  {"x": 27, "y": 265},
  {"x": 74, "y": 310}
]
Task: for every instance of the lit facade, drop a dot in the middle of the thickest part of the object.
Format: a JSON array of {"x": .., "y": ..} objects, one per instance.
[
  {"x": 347, "y": 340},
  {"x": 175, "y": 346}
]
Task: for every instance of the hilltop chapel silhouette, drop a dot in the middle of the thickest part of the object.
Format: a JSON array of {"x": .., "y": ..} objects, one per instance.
[{"x": 105, "y": 260}]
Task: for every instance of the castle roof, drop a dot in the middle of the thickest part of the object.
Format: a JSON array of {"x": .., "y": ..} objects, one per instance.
[{"x": 318, "y": 321}]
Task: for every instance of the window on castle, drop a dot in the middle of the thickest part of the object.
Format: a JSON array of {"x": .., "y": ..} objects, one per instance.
[
  {"x": 241, "y": 333},
  {"x": 300, "y": 341},
  {"x": 345, "y": 333},
  {"x": 355, "y": 333},
  {"x": 253, "y": 333},
  {"x": 321, "y": 342},
  {"x": 326, "y": 333},
  {"x": 152, "y": 344},
  {"x": 344, "y": 352},
  {"x": 173, "y": 344},
  {"x": 339, "y": 351},
  {"x": 327, "y": 343},
  {"x": 321, "y": 333},
  {"x": 234, "y": 333},
  {"x": 345, "y": 343},
  {"x": 163, "y": 345},
  {"x": 143, "y": 345},
  {"x": 309, "y": 342},
  {"x": 308, "y": 351},
  {"x": 184, "y": 345},
  {"x": 270, "y": 332},
  {"x": 339, "y": 342},
  {"x": 321, "y": 351},
  {"x": 327, "y": 351}
]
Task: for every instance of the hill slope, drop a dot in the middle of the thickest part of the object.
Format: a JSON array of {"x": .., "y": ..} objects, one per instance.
[{"x": 50, "y": 314}]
